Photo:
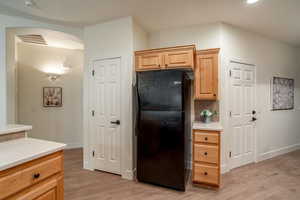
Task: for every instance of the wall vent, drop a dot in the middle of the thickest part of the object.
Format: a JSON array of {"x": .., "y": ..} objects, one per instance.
[{"x": 33, "y": 39}]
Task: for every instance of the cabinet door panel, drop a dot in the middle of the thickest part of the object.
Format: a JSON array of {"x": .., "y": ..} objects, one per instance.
[
  {"x": 206, "y": 76},
  {"x": 150, "y": 61},
  {"x": 179, "y": 59}
]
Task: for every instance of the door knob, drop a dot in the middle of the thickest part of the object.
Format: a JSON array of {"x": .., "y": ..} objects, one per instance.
[
  {"x": 253, "y": 112},
  {"x": 254, "y": 119},
  {"x": 36, "y": 176},
  {"x": 116, "y": 122}
]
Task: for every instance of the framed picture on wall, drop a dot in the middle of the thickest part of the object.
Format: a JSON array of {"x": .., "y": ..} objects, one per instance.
[
  {"x": 52, "y": 96},
  {"x": 282, "y": 93}
]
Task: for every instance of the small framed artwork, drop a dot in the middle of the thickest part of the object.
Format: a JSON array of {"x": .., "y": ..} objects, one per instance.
[
  {"x": 52, "y": 96},
  {"x": 282, "y": 93}
]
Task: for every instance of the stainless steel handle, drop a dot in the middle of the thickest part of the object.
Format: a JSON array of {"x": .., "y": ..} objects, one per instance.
[{"x": 116, "y": 122}]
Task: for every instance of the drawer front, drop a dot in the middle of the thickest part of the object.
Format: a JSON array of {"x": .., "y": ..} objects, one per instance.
[
  {"x": 17, "y": 181},
  {"x": 206, "y": 153},
  {"x": 203, "y": 137},
  {"x": 42, "y": 191},
  {"x": 50, "y": 195},
  {"x": 42, "y": 171},
  {"x": 206, "y": 174}
]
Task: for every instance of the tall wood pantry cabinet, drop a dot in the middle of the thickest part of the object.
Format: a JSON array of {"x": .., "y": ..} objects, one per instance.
[{"x": 206, "y": 74}]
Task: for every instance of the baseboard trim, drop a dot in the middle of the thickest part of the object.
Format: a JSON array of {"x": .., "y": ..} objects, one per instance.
[
  {"x": 128, "y": 174},
  {"x": 74, "y": 146},
  {"x": 86, "y": 165},
  {"x": 224, "y": 169},
  {"x": 278, "y": 152}
]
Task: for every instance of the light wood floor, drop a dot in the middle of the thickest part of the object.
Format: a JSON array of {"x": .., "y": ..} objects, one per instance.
[{"x": 274, "y": 179}]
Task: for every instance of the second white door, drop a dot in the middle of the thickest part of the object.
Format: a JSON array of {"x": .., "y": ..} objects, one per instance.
[
  {"x": 107, "y": 113},
  {"x": 242, "y": 113}
]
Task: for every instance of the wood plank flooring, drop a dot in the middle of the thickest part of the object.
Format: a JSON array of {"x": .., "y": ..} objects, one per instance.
[{"x": 274, "y": 179}]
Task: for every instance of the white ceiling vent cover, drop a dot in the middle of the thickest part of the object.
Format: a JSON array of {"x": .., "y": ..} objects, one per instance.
[{"x": 34, "y": 39}]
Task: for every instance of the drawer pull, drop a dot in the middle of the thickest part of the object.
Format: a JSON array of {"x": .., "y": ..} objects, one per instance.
[
  {"x": 205, "y": 173},
  {"x": 205, "y": 153},
  {"x": 205, "y": 138},
  {"x": 36, "y": 176}
]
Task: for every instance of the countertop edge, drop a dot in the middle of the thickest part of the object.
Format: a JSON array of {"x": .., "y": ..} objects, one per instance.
[
  {"x": 214, "y": 126},
  {"x": 14, "y": 129},
  {"x": 32, "y": 157}
]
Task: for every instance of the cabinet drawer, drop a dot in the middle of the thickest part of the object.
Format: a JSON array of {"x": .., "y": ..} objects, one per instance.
[
  {"x": 203, "y": 137},
  {"x": 206, "y": 153},
  {"x": 43, "y": 191},
  {"x": 206, "y": 174},
  {"x": 28, "y": 176}
]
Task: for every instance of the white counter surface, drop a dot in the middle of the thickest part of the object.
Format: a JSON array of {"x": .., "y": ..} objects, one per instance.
[
  {"x": 19, "y": 151},
  {"x": 213, "y": 126},
  {"x": 13, "y": 128}
]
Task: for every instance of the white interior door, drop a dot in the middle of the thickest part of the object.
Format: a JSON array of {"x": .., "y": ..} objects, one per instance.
[
  {"x": 242, "y": 113},
  {"x": 107, "y": 113}
]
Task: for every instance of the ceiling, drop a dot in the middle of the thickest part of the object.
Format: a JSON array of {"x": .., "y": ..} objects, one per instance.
[
  {"x": 52, "y": 38},
  {"x": 277, "y": 19}
]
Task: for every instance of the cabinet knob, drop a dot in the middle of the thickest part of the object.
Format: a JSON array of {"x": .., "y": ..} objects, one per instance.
[
  {"x": 205, "y": 173},
  {"x": 205, "y": 153},
  {"x": 158, "y": 65},
  {"x": 205, "y": 138},
  {"x": 166, "y": 65},
  {"x": 215, "y": 95},
  {"x": 36, "y": 176}
]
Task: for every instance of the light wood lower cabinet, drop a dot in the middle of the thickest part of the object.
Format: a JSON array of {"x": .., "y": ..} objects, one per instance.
[
  {"x": 206, "y": 157},
  {"x": 40, "y": 179}
]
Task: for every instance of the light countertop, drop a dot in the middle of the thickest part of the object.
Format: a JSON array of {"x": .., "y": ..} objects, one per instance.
[
  {"x": 13, "y": 128},
  {"x": 19, "y": 151},
  {"x": 213, "y": 126}
]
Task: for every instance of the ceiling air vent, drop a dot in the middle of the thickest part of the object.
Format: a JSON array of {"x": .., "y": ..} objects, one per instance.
[{"x": 34, "y": 39}]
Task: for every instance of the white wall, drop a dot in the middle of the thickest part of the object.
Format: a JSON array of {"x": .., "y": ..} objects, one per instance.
[
  {"x": 278, "y": 131},
  {"x": 203, "y": 36},
  {"x": 140, "y": 38},
  {"x": 11, "y": 22},
  {"x": 56, "y": 124},
  {"x": 108, "y": 40}
]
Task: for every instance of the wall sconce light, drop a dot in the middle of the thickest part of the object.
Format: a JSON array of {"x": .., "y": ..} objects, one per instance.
[
  {"x": 53, "y": 77},
  {"x": 55, "y": 72}
]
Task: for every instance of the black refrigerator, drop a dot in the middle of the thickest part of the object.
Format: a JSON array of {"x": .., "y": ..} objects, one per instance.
[{"x": 163, "y": 122}]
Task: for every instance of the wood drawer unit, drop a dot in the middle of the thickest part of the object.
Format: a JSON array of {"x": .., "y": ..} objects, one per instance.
[
  {"x": 207, "y": 174},
  {"x": 206, "y": 157},
  {"x": 206, "y": 153},
  {"x": 27, "y": 175},
  {"x": 206, "y": 137},
  {"x": 181, "y": 57}
]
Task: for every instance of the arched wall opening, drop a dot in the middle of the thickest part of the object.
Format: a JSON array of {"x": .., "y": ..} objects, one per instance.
[{"x": 31, "y": 69}]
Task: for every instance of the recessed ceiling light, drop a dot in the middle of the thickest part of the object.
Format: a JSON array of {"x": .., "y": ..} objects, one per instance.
[
  {"x": 29, "y": 3},
  {"x": 252, "y": 1}
]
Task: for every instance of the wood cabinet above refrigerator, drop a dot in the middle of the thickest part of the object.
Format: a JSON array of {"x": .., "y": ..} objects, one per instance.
[
  {"x": 206, "y": 74},
  {"x": 181, "y": 57}
]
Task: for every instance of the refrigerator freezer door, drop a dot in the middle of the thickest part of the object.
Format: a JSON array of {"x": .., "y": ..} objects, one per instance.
[{"x": 160, "y": 90}]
